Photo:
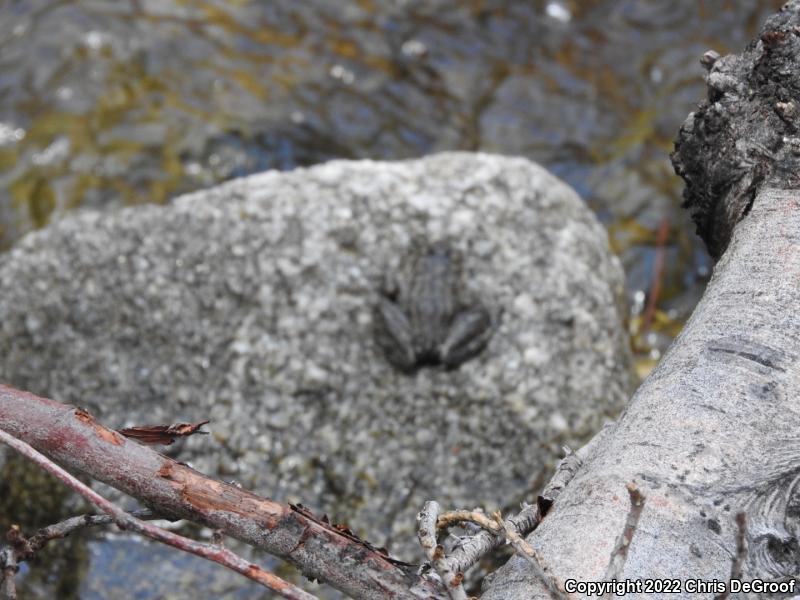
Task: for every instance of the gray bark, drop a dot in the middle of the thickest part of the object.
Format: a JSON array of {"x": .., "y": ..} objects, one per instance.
[{"x": 713, "y": 431}]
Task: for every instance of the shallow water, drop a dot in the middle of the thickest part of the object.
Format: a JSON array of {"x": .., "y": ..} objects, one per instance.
[{"x": 108, "y": 102}]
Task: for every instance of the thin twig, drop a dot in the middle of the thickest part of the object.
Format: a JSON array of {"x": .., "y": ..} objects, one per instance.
[
  {"x": 427, "y": 520},
  {"x": 222, "y": 556},
  {"x": 23, "y": 548},
  {"x": 741, "y": 553},
  {"x": 63, "y": 528},
  {"x": 741, "y": 546},
  {"x": 529, "y": 553},
  {"x": 472, "y": 548},
  {"x": 506, "y": 529},
  {"x": 620, "y": 552},
  {"x": 658, "y": 275},
  {"x": 456, "y": 517}
]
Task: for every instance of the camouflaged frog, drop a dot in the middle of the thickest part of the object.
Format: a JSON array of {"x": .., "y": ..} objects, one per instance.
[{"x": 425, "y": 322}]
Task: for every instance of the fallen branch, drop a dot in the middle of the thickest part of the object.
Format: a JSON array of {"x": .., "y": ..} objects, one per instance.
[
  {"x": 711, "y": 431},
  {"x": 319, "y": 550},
  {"x": 163, "y": 435},
  {"x": 472, "y": 548},
  {"x": 125, "y": 520}
]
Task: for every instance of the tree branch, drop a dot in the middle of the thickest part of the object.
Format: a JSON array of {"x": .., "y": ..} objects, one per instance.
[
  {"x": 74, "y": 439},
  {"x": 127, "y": 521}
]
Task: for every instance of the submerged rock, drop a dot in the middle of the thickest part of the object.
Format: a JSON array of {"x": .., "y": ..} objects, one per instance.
[{"x": 251, "y": 304}]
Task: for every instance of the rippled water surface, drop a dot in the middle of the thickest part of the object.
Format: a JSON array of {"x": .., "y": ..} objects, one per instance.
[
  {"x": 110, "y": 102},
  {"x": 107, "y": 102}
]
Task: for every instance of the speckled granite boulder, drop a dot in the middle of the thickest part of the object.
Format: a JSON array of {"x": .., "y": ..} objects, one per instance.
[{"x": 250, "y": 304}]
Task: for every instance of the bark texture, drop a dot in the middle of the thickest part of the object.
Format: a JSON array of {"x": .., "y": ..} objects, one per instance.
[
  {"x": 712, "y": 432},
  {"x": 745, "y": 135}
]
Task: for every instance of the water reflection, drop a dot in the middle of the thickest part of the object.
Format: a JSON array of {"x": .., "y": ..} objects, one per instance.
[
  {"x": 30, "y": 499},
  {"x": 113, "y": 102}
]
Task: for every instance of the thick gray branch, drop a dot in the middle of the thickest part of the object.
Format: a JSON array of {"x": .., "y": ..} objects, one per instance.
[
  {"x": 713, "y": 431},
  {"x": 710, "y": 433},
  {"x": 75, "y": 440}
]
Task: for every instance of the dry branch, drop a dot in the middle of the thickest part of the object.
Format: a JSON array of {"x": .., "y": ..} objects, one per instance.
[
  {"x": 21, "y": 548},
  {"x": 75, "y": 440},
  {"x": 127, "y": 521},
  {"x": 472, "y": 548},
  {"x": 427, "y": 533},
  {"x": 712, "y": 431}
]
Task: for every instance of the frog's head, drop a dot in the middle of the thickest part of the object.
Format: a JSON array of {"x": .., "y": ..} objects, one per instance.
[
  {"x": 440, "y": 248},
  {"x": 441, "y": 256}
]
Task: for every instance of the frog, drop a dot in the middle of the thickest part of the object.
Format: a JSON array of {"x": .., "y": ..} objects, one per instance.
[{"x": 427, "y": 322}]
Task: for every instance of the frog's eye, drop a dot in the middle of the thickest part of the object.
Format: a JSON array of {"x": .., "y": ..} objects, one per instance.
[
  {"x": 390, "y": 288},
  {"x": 441, "y": 248}
]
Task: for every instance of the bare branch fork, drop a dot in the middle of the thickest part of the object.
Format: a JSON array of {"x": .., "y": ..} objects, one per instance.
[
  {"x": 21, "y": 548},
  {"x": 496, "y": 530},
  {"x": 428, "y": 539},
  {"x": 430, "y": 521},
  {"x": 318, "y": 549},
  {"x": 125, "y": 520}
]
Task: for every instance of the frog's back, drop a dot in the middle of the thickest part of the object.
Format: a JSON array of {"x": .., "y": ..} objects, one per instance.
[{"x": 432, "y": 301}]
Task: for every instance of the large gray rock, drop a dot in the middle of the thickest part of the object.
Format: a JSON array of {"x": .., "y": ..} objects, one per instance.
[{"x": 250, "y": 304}]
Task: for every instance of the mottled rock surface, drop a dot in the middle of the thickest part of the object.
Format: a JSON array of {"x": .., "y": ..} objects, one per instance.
[{"x": 250, "y": 304}]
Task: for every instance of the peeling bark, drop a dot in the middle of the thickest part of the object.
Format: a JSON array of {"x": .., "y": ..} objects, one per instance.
[{"x": 75, "y": 440}]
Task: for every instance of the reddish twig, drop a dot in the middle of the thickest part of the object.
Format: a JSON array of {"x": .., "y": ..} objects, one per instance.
[
  {"x": 737, "y": 563},
  {"x": 124, "y": 520},
  {"x": 620, "y": 552},
  {"x": 74, "y": 439},
  {"x": 658, "y": 275}
]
